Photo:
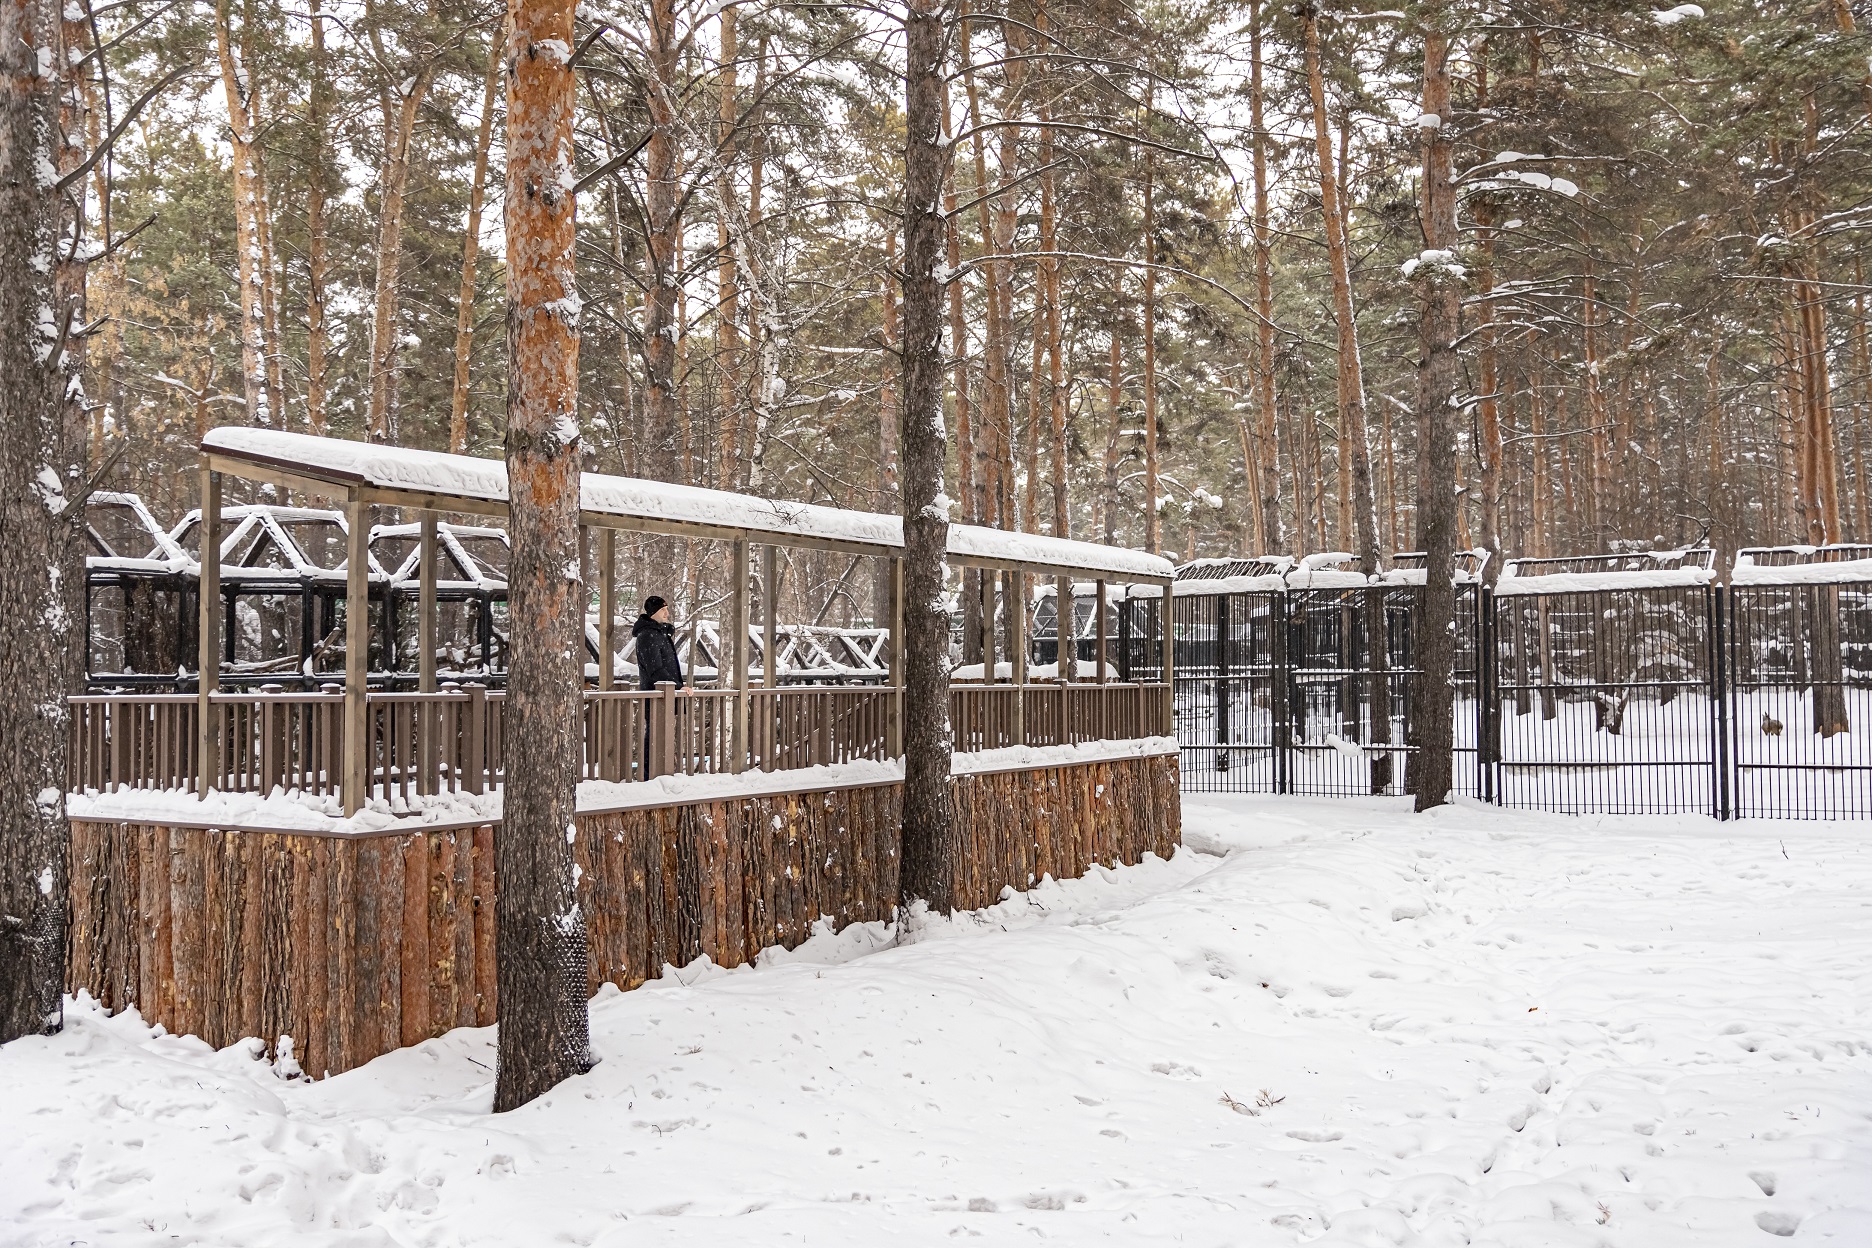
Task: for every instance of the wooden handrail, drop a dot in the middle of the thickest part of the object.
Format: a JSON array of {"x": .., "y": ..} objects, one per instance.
[{"x": 420, "y": 744}]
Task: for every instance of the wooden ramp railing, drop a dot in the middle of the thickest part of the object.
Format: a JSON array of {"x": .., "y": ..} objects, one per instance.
[{"x": 421, "y": 744}]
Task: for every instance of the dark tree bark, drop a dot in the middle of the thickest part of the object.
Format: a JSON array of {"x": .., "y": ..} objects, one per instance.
[
  {"x": 42, "y": 457},
  {"x": 542, "y": 954},
  {"x": 1439, "y": 293},
  {"x": 1273, "y": 538},
  {"x": 929, "y": 841}
]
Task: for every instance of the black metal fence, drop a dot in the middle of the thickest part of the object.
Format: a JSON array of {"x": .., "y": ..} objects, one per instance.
[{"x": 1751, "y": 700}]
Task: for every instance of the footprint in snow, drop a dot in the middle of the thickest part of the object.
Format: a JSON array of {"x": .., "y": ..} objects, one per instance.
[{"x": 1175, "y": 1070}]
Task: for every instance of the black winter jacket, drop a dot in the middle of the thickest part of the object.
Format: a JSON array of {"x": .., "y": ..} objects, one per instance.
[{"x": 656, "y": 653}]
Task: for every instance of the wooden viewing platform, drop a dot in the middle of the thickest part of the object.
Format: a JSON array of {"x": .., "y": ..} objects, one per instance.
[{"x": 298, "y": 898}]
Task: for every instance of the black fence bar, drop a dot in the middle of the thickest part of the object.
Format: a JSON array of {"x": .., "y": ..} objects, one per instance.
[{"x": 1751, "y": 700}]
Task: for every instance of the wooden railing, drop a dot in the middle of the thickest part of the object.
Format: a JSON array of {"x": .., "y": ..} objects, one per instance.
[
  {"x": 988, "y": 717},
  {"x": 454, "y": 740}
]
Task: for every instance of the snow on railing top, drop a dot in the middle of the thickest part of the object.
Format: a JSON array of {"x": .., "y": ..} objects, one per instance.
[
  {"x": 154, "y": 551},
  {"x": 250, "y": 532},
  {"x": 1803, "y": 565},
  {"x": 656, "y": 505},
  {"x": 1584, "y": 574},
  {"x": 453, "y": 552}
]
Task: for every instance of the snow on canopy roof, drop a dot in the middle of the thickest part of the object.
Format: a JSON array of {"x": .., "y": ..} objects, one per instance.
[
  {"x": 970, "y": 543},
  {"x": 402, "y": 476}
]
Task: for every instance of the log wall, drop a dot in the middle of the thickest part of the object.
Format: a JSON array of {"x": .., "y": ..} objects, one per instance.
[{"x": 357, "y": 945}]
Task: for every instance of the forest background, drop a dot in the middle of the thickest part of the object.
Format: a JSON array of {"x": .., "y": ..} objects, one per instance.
[{"x": 1663, "y": 226}]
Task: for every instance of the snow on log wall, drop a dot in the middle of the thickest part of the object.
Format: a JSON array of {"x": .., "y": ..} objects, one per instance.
[{"x": 357, "y": 945}]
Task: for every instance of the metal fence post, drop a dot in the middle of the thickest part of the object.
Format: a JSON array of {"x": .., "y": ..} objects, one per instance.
[
  {"x": 1721, "y": 755},
  {"x": 1282, "y": 673},
  {"x": 1488, "y": 680}
]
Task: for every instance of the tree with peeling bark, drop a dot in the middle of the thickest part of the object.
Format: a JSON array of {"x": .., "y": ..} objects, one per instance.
[{"x": 543, "y": 956}]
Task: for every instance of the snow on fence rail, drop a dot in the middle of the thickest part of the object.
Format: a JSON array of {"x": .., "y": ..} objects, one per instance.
[{"x": 1626, "y": 683}]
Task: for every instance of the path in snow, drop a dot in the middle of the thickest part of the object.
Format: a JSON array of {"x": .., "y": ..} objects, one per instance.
[{"x": 1358, "y": 1027}]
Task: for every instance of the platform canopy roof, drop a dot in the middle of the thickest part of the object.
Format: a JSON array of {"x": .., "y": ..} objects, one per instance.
[{"x": 395, "y": 476}]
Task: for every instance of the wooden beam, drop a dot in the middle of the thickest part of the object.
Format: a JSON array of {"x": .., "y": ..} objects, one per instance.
[
  {"x": 426, "y": 605},
  {"x": 893, "y": 742},
  {"x": 737, "y": 651},
  {"x": 987, "y": 581},
  {"x": 356, "y": 776},
  {"x": 1065, "y": 632},
  {"x": 1014, "y": 602},
  {"x": 1098, "y": 610},
  {"x": 1166, "y": 626},
  {"x": 770, "y": 608},
  {"x": 208, "y": 636},
  {"x": 607, "y": 609}
]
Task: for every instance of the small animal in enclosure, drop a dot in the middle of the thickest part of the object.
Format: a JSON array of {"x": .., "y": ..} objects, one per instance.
[{"x": 1771, "y": 727}]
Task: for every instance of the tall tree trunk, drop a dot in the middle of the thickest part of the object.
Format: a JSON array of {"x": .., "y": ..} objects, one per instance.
[
  {"x": 1439, "y": 293},
  {"x": 1049, "y": 276},
  {"x": 1598, "y": 491},
  {"x": 250, "y": 212},
  {"x": 727, "y": 280},
  {"x": 1114, "y": 390},
  {"x": 543, "y": 956},
  {"x": 1862, "y": 357},
  {"x": 318, "y": 120},
  {"x": 958, "y": 341},
  {"x": 1273, "y": 536},
  {"x": 889, "y": 412},
  {"x": 930, "y": 851},
  {"x": 1540, "y": 506},
  {"x": 400, "y": 106},
  {"x": 42, "y": 464},
  {"x": 997, "y": 407},
  {"x": 1351, "y": 387},
  {"x": 471, "y": 247},
  {"x": 1153, "y": 524},
  {"x": 662, "y": 225},
  {"x": 1488, "y": 408}
]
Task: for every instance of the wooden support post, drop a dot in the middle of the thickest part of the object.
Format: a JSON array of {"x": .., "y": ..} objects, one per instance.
[
  {"x": 354, "y": 785},
  {"x": 770, "y": 607},
  {"x": 737, "y": 651},
  {"x": 208, "y": 640},
  {"x": 1166, "y": 617},
  {"x": 663, "y": 730},
  {"x": 1065, "y": 632},
  {"x": 988, "y": 580},
  {"x": 1098, "y": 610},
  {"x": 426, "y": 606},
  {"x": 893, "y": 732},
  {"x": 1014, "y": 602},
  {"x": 607, "y": 608}
]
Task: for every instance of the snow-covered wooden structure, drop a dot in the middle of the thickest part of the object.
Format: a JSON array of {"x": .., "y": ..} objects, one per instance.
[{"x": 320, "y": 863}]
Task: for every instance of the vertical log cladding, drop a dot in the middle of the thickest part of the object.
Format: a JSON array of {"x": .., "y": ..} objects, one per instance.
[
  {"x": 542, "y": 950},
  {"x": 929, "y": 848},
  {"x": 1439, "y": 292},
  {"x": 357, "y": 946}
]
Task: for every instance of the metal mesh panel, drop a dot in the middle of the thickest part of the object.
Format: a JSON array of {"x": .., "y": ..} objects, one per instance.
[
  {"x": 1606, "y": 701},
  {"x": 1800, "y": 705}
]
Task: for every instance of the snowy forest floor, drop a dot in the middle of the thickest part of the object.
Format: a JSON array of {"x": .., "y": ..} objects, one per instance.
[{"x": 1325, "y": 1022}]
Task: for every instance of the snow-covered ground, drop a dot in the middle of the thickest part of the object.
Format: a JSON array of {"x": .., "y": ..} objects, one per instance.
[{"x": 1325, "y": 1022}]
